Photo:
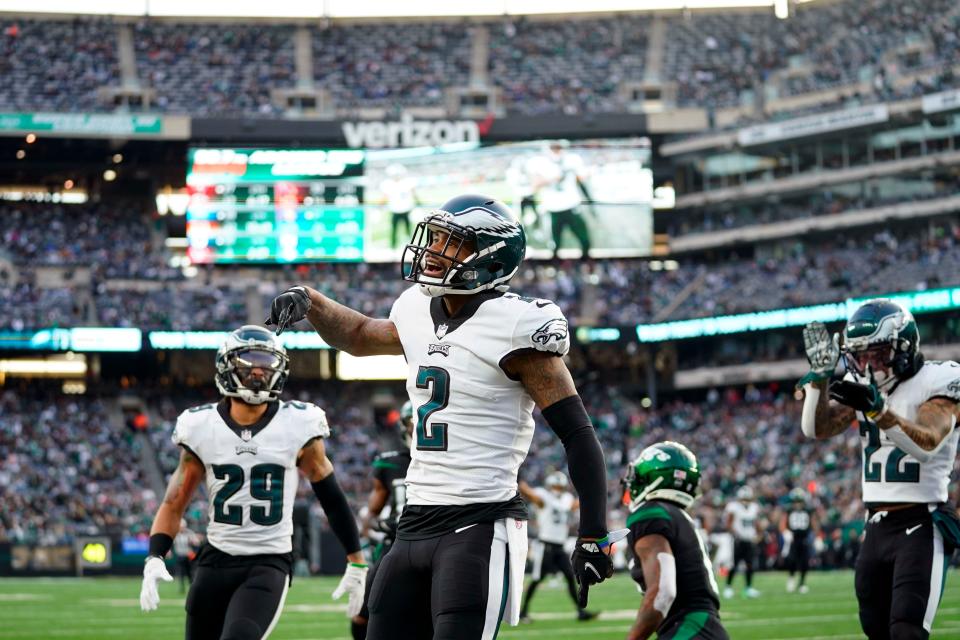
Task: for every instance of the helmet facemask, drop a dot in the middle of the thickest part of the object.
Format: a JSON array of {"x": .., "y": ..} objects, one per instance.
[
  {"x": 888, "y": 354},
  {"x": 431, "y": 258},
  {"x": 254, "y": 374}
]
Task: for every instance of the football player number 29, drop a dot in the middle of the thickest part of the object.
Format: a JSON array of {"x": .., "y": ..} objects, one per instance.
[
  {"x": 432, "y": 436},
  {"x": 266, "y": 483}
]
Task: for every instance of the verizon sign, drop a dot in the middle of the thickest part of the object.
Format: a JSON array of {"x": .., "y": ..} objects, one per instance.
[{"x": 409, "y": 133}]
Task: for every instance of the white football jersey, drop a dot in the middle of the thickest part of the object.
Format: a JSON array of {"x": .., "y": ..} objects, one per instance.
[
  {"x": 251, "y": 474},
  {"x": 562, "y": 192},
  {"x": 553, "y": 517},
  {"x": 744, "y": 519},
  {"x": 891, "y": 476},
  {"x": 473, "y": 424}
]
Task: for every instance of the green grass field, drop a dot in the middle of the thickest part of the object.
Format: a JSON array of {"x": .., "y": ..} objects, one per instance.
[{"x": 109, "y": 608}]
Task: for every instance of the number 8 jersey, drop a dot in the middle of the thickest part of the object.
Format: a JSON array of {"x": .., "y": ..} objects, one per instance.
[
  {"x": 889, "y": 474},
  {"x": 474, "y": 424},
  {"x": 251, "y": 471}
]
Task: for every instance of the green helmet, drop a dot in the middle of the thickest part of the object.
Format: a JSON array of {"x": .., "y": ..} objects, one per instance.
[
  {"x": 883, "y": 336},
  {"x": 797, "y": 496},
  {"x": 666, "y": 470},
  {"x": 498, "y": 241}
]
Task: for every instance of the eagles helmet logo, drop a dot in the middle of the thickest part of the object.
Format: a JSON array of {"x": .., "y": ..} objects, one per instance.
[{"x": 555, "y": 329}]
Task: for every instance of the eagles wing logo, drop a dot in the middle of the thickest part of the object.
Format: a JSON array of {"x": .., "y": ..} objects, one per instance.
[{"x": 555, "y": 329}]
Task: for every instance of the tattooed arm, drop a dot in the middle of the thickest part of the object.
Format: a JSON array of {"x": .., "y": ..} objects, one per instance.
[
  {"x": 935, "y": 420},
  {"x": 348, "y": 330},
  {"x": 547, "y": 380},
  {"x": 183, "y": 484},
  {"x": 831, "y": 418}
]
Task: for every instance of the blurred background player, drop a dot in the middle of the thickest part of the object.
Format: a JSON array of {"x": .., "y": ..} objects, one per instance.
[
  {"x": 185, "y": 546},
  {"x": 670, "y": 561},
  {"x": 386, "y": 501},
  {"x": 398, "y": 189},
  {"x": 248, "y": 447},
  {"x": 742, "y": 519},
  {"x": 561, "y": 191},
  {"x": 554, "y": 505},
  {"x": 797, "y": 526},
  {"x": 907, "y": 410}
]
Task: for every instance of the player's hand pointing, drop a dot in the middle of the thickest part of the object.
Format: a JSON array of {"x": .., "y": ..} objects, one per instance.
[{"x": 288, "y": 308}]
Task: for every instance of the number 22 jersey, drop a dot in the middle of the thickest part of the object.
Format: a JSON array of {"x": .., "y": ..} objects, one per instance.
[
  {"x": 474, "y": 423},
  {"x": 889, "y": 474},
  {"x": 251, "y": 471}
]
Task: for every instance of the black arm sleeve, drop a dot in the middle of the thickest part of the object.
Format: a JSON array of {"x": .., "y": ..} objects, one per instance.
[
  {"x": 338, "y": 512},
  {"x": 588, "y": 471}
]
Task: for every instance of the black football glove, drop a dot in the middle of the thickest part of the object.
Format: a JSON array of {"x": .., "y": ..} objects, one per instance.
[
  {"x": 865, "y": 398},
  {"x": 288, "y": 308},
  {"x": 591, "y": 565}
]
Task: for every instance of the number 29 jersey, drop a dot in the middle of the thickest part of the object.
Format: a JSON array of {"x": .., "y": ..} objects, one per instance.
[
  {"x": 251, "y": 471},
  {"x": 890, "y": 475},
  {"x": 474, "y": 424}
]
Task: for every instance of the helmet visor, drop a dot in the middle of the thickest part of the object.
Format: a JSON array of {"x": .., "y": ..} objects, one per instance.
[
  {"x": 873, "y": 358},
  {"x": 255, "y": 368}
]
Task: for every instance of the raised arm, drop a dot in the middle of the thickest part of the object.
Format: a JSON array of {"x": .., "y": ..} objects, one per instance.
[
  {"x": 529, "y": 494},
  {"x": 341, "y": 327},
  {"x": 660, "y": 577},
  {"x": 936, "y": 418}
]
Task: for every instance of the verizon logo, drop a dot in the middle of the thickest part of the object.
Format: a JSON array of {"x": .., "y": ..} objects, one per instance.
[{"x": 410, "y": 133}]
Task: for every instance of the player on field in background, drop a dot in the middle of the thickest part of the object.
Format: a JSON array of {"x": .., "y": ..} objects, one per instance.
[
  {"x": 248, "y": 448},
  {"x": 479, "y": 360},
  {"x": 906, "y": 410},
  {"x": 185, "y": 544},
  {"x": 797, "y": 527},
  {"x": 554, "y": 506},
  {"x": 386, "y": 502},
  {"x": 742, "y": 520},
  {"x": 669, "y": 559}
]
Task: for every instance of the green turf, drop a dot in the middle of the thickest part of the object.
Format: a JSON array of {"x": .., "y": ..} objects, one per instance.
[{"x": 108, "y": 608}]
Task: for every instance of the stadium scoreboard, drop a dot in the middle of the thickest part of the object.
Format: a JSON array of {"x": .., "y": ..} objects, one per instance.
[{"x": 274, "y": 205}]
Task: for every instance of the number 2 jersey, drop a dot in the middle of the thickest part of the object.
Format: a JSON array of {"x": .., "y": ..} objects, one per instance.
[
  {"x": 890, "y": 475},
  {"x": 251, "y": 471},
  {"x": 474, "y": 423},
  {"x": 696, "y": 585}
]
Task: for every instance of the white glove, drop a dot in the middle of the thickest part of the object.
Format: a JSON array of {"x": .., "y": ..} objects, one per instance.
[
  {"x": 823, "y": 352},
  {"x": 354, "y": 581},
  {"x": 153, "y": 571}
]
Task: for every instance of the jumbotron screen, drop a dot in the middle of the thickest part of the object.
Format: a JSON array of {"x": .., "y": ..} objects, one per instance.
[{"x": 303, "y": 205}]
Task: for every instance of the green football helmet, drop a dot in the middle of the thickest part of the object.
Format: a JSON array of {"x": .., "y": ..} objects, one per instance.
[
  {"x": 487, "y": 225},
  {"x": 881, "y": 338},
  {"x": 666, "y": 471}
]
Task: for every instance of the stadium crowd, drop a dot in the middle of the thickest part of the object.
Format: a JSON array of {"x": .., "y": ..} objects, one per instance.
[
  {"x": 716, "y": 60},
  {"x": 70, "y": 468},
  {"x": 131, "y": 283}
]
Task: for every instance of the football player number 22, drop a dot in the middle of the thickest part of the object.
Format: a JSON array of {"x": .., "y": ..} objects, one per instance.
[
  {"x": 266, "y": 483},
  {"x": 432, "y": 436},
  {"x": 872, "y": 470}
]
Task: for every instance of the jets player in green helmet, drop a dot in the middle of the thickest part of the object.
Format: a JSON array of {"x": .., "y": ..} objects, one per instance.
[
  {"x": 480, "y": 358},
  {"x": 906, "y": 410},
  {"x": 668, "y": 558}
]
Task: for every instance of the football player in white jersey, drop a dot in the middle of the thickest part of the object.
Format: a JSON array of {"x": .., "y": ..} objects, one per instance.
[
  {"x": 248, "y": 448},
  {"x": 554, "y": 506},
  {"x": 907, "y": 411},
  {"x": 479, "y": 359},
  {"x": 742, "y": 520}
]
